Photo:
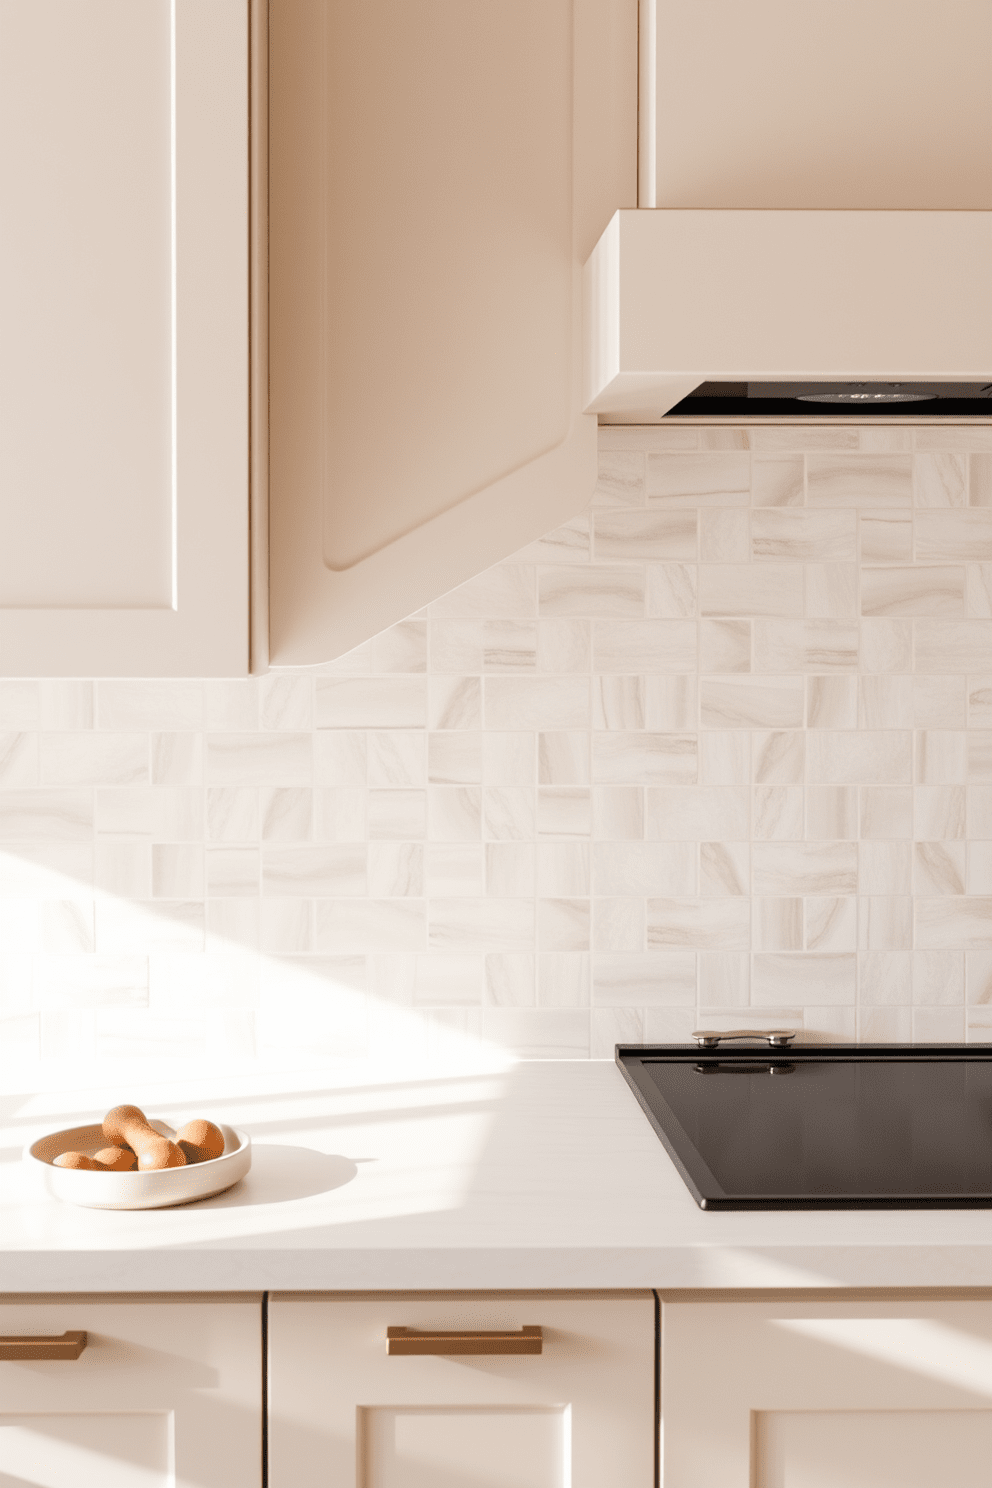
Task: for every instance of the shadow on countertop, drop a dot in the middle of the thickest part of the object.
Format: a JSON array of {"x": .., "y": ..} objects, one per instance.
[{"x": 280, "y": 1173}]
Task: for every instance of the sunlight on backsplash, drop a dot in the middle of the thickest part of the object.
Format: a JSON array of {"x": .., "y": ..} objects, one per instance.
[{"x": 717, "y": 751}]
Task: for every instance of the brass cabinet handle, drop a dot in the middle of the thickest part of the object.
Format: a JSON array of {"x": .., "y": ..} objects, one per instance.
[
  {"x": 462, "y": 1341},
  {"x": 15, "y": 1348}
]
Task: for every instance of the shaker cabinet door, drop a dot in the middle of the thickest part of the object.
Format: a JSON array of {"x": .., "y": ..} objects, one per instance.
[
  {"x": 801, "y": 1394},
  {"x": 164, "y": 1394},
  {"x": 343, "y": 1411},
  {"x": 438, "y": 173},
  {"x": 123, "y": 337}
]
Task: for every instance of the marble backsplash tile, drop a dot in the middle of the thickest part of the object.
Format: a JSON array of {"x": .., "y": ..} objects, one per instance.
[{"x": 718, "y": 750}]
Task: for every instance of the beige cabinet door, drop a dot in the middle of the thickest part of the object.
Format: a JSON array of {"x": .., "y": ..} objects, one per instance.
[
  {"x": 344, "y": 1412},
  {"x": 438, "y": 174},
  {"x": 165, "y": 1394},
  {"x": 801, "y": 1394},
  {"x": 123, "y": 337}
]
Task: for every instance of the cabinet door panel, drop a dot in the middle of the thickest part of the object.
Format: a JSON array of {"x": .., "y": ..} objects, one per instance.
[
  {"x": 809, "y": 1394},
  {"x": 166, "y": 1394},
  {"x": 438, "y": 173},
  {"x": 100, "y": 1450},
  {"x": 872, "y": 1449},
  {"x": 504, "y": 1447},
  {"x": 343, "y": 1413},
  {"x": 123, "y": 337}
]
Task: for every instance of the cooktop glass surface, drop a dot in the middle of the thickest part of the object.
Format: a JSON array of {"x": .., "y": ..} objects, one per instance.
[{"x": 834, "y": 1127}]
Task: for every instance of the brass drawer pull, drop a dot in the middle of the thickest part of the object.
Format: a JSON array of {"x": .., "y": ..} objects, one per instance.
[
  {"x": 69, "y": 1346},
  {"x": 462, "y": 1341}
]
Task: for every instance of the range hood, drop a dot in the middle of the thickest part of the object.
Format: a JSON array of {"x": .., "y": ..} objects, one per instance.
[{"x": 813, "y": 237}]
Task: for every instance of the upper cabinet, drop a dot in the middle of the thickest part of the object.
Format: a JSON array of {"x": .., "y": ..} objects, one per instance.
[
  {"x": 791, "y": 105},
  {"x": 438, "y": 172},
  {"x": 321, "y": 252},
  {"x": 124, "y": 340}
]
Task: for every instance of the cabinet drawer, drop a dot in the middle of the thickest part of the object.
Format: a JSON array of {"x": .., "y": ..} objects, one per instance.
[
  {"x": 344, "y": 1411},
  {"x": 887, "y": 1393},
  {"x": 165, "y": 1394}
]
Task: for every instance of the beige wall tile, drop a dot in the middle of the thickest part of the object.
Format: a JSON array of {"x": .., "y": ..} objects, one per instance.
[
  {"x": 724, "y": 979},
  {"x": 642, "y": 536},
  {"x": 778, "y": 482},
  {"x": 724, "y": 536},
  {"x": 644, "y": 645},
  {"x": 980, "y": 480},
  {"x": 829, "y": 978},
  {"x": 743, "y": 590},
  {"x": 831, "y": 924},
  {"x": 886, "y": 812},
  {"x": 885, "y": 702},
  {"x": 831, "y": 812},
  {"x": 674, "y": 814},
  {"x": 710, "y": 924},
  {"x": 831, "y": 591},
  {"x": 777, "y": 813},
  {"x": 800, "y": 536},
  {"x": 941, "y": 702},
  {"x": 805, "y": 646},
  {"x": 831, "y": 702},
  {"x": 865, "y": 757},
  {"x": 923, "y": 590},
  {"x": 642, "y": 758},
  {"x": 940, "y": 479},
  {"x": 778, "y": 758},
  {"x": 949, "y": 535},
  {"x": 812, "y": 437},
  {"x": 671, "y": 591},
  {"x": 621, "y": 477},
  {"x": 887, "y": 646},
  {"x": 885, "y": 978},
  {"x": 823, "y": 868},
  {"x": 849, "y": 480},
  {"x": 597, "y": 590},
  {"x": 953, "y": 923},
  {"x": 698, "y": 480},
  {"x": 646, "y": 979},
  {"x": 724, "y": 869},
  {"x": 886, "y": 536},
  {"x": 751, "y": 702},
  {"x": 725, "y": 645}
]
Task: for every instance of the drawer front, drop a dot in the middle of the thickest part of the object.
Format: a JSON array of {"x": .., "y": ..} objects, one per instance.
[
  {"x": 894, "y": 1393},
  {"x": 164, "y": 1394},
  {"x": 344, "y": 1411}
]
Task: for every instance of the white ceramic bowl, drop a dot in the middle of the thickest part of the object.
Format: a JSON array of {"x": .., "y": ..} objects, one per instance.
[{"x": 135, "y": 1190}]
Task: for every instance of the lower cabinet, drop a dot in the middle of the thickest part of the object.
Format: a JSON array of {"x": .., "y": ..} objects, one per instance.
[
  {"x": 164, "y": 1393},
  {"x": 449, "y": 1391},
  {"x": 526, "y": 1390},
  {"x": 827, "y": 1394}
]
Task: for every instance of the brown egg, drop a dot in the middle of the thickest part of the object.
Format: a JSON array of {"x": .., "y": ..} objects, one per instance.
[
  {"x": 116, "y": 1159},
  {"x": 200, "y": 1140},
  {"x": 160, "y": 1154},
  {"x": 127, "y": 1126},
  {"x": 74, "y": 1160}
]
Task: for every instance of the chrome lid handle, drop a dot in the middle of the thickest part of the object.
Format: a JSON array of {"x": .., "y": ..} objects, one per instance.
[{"x": 779, "y": 1038}]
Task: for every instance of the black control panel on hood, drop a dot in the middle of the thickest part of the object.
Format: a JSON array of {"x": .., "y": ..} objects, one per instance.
[{"x": 845, "y": 400}]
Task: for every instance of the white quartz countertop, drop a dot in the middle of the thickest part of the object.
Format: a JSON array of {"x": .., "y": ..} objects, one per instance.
[{"x": 544, "y": 1175}]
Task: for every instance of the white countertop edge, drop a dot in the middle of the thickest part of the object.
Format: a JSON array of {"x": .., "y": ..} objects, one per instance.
[{"x": 496, "y": 1269}]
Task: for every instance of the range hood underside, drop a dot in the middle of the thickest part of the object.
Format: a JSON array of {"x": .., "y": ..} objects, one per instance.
[{"x": 827, "y": 402}]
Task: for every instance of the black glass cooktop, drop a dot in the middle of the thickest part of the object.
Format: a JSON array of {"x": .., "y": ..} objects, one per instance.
[{"x": 868, "y": 1126}]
